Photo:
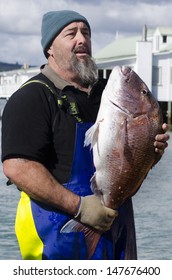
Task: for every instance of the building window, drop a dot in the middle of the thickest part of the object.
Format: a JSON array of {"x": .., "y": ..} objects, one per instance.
[
  {"x": 164, "y": 38},
  {"x": 157, "y": 75},
  {"x": 108, "y": 71},
  {"x": 100, "y": 73}
]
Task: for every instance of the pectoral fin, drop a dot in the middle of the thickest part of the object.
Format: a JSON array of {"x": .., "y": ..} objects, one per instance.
[{"x": 91, "y": 135}]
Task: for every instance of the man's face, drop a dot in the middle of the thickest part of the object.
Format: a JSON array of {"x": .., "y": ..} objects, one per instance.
[
  {"x": 71, "y": 53},
  {"x": 73, "y": 42}
]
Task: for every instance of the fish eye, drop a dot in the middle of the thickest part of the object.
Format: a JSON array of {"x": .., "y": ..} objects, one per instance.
[{"x": 144, "y": 92}]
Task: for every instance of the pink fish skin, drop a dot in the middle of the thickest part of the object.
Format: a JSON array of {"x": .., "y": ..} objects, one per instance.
[{"x": 122, "y": 140}]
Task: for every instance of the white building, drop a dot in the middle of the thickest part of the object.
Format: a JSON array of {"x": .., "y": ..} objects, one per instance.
[
  {"x": 10, "y": 81},
  {"x": 149, "y": 54}
]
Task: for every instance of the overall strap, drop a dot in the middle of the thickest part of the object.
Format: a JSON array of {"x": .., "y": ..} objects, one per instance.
[{"x": 63, "y": 102}]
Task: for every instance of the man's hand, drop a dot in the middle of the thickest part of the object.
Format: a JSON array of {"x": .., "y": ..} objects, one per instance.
[
  {"x": 93, "y": 213},
  {"x": 161, "y": 140}
]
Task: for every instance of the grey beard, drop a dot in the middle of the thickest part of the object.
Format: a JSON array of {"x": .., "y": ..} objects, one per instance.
[{"x": 85, "y": 70}]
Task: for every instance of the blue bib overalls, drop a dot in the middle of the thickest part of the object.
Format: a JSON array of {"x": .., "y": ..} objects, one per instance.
[{"x": 38, "y": 225}]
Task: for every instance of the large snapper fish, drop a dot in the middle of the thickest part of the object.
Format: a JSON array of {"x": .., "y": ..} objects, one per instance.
[
  {"x": 123, "y": 137},
  {"x": 122, "y": 140}
]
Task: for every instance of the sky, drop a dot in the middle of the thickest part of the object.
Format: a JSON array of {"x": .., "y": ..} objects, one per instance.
[{"x": 20, "y": 23}]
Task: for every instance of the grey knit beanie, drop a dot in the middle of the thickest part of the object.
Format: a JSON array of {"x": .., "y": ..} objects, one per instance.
[{"x": 53, "y": 22}]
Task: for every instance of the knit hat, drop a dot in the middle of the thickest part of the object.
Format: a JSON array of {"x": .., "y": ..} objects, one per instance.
[{"x": 53, "y": 23}]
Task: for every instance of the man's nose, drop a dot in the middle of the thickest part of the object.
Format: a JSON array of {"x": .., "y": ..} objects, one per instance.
[{"x": 81, "y": 38}]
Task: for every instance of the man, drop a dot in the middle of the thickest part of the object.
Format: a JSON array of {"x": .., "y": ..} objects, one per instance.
[{"x": 43, "y": 130}]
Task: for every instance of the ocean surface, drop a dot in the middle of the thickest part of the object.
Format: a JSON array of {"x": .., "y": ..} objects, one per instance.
[{"x": 152, "y": 208}]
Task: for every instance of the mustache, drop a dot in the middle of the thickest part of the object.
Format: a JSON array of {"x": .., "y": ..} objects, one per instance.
[{"x": 81, "y": 49}]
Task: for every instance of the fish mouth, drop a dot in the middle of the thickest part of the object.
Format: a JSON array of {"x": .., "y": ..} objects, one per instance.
[
  {"x": 126, "y": 70},
  {"x": 124, "y": 110}
]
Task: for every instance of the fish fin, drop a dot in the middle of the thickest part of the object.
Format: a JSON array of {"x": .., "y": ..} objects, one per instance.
[
  {"x": 93, "y": 183},
  {"x": 91, "y": 237},
  {"x": 69, "y": 226},
  {"x": 91, "y": 135},
  {"x": 94, "y": 186}
]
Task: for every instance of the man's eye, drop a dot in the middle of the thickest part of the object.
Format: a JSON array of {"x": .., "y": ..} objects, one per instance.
[
  {"x": 86, "y": 33},
  {"x": 72, "y": 34}
]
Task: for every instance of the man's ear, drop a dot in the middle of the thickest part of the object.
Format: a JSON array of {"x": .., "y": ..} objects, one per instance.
[{"x": 49, "y": 51}]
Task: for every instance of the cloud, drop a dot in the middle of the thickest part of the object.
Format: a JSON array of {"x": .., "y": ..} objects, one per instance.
[
  {"x": 25, "y": 49},
  {"x": 20, "y": 23}
]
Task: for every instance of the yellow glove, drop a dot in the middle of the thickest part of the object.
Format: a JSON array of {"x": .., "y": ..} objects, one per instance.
[{"x": 93, "y": 213}]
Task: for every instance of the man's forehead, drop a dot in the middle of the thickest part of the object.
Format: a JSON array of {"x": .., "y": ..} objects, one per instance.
[{"x": 76, "y": 25}]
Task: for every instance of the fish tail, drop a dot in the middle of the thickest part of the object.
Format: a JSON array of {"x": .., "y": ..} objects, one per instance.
[{"x": 91, "y": 237}]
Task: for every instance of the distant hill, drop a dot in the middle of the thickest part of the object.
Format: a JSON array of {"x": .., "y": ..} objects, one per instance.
[{"x": 9, "y": 66}]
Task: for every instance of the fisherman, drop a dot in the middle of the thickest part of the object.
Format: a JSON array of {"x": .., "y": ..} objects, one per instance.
[{"x": 43, "y": 129}]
